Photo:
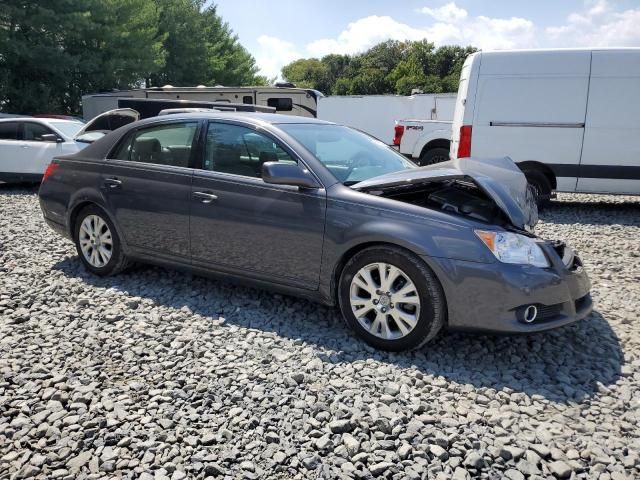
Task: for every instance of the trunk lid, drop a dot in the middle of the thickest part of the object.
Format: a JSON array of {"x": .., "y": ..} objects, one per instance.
[
  {"x": 99, "y": 126},
  {"x": 499, "y": 178}
]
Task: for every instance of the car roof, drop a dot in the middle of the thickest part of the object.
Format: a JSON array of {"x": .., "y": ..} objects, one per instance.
[
  {"x": 26, "y": 118},
  {"x": 251, "y": 117}
]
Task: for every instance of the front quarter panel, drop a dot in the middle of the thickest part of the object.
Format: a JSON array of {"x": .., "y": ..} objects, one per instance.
[{"x": 355, "y": 219}]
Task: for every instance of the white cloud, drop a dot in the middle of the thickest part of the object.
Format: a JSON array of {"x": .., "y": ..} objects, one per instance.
[
  {"x": 363, "y": 34},
  {"x": 447, "y": 13},
  {"x": 597, "y": 24},
  {"x": 273, "y": 54}
]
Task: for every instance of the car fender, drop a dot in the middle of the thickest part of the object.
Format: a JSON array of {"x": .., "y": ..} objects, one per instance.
[
  {"x": 439, "y": 134},
  {"x": 90, "y": 195}
]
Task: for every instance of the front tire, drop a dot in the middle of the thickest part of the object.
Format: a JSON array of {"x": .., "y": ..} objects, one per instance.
[
  {"x": 98, "y": 243},
  {"x": 391, "y": 299}
]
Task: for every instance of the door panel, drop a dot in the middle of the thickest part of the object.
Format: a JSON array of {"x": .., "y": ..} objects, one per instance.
[
  {"x": 260, "y": 230},
  {"x": 238, "y": 222},
  {"x": 531, "y": 107},
  {"x": 151, "y": 205},
  {"x": 148, "y": 188},
  {"x": 611, "y": 153}
]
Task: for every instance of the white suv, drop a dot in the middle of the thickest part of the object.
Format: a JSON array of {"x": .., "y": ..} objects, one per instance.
[{"x": 28, "y": 144}]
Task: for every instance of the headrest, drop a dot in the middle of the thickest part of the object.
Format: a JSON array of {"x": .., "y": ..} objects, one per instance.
[{"x": 147, "y": 145}]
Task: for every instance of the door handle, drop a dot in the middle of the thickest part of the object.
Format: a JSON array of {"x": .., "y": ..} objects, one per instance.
[
  {"x": 24, "y": 146},
  {"x": 112, "y": 183},
  {"x": 205, "y": 197}
]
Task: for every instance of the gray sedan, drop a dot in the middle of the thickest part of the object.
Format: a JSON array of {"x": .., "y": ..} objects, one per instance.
[{"x": 321, "y": 211}]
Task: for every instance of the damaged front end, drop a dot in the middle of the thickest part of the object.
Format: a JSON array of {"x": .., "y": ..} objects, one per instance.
[{"x": 491, "y": 190}]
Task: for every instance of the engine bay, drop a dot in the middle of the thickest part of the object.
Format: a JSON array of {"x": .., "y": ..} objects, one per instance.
[{"x": 459, "y": 197}]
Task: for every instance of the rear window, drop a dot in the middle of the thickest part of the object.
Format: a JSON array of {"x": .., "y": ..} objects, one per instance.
[{"x": 8, "y": 130}]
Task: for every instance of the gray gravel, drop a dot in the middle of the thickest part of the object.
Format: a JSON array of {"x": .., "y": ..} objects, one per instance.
[{"x": 156, "y": 374}]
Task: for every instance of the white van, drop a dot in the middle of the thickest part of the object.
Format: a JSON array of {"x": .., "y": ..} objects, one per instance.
[{"x": 569, "y": 118}]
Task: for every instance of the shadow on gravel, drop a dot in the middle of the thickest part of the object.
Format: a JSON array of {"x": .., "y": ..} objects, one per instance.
[
  {"x": 592, "y": 213},
  {"x": 565, "y": 365}
]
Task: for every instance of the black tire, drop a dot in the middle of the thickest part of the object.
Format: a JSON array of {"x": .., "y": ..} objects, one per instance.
[
  {"x": 541, "y": 186},
  {"x": 433, "y": 305},
  {"x": 433, "y": 155},
  {"x": 118, "y": 261}
]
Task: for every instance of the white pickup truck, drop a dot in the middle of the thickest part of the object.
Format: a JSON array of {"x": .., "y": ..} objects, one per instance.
[{"x": 424, "y": 141}]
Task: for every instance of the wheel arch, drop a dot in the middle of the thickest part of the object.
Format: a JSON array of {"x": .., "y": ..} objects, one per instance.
[
  {"x": 355, "y": 249},
  {"x": 427, "y": 141},
  {"x": 532, "y": 165},
  {"x": 436, "y": 143},
  {"x": 77, "y": 207}
]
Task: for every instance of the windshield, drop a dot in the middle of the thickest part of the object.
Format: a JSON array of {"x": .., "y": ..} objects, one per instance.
[
  {"x": 350, "y": 155},
  {"x": 68, "y": 128}
]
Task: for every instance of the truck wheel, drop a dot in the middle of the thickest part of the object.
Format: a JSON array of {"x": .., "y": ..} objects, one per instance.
[
  {"x": 391, "y": 299},
  {"x": 97, "y": 242},
  {"x": 433, "y": 155},
  {"x": 541, "y": 186}
]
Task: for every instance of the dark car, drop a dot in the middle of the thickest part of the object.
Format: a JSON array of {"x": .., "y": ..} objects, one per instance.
[{"x": 321, "y": 211}]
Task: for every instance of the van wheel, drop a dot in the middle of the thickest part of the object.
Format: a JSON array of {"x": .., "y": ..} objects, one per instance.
[
  {"x": 391, "y": 299},
  {"x": 541, "y": 186},
  {"x": 97, "y": 242},
  {"x": 433, "y": 155}
]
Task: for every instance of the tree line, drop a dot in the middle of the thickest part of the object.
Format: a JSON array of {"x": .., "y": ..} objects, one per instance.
[
  {"x": 393, "y": 66},
  {"x": 54, "y": 51}
]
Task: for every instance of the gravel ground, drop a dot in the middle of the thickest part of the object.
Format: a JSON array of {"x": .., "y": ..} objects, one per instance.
[{"x": 160, "y": 374}]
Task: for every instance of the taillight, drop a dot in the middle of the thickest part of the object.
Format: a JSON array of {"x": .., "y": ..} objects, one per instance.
[
  {"x": 464, "y": 144},
  {"x": 49, "y": 171},
  {"x": 399, "y": 131}
]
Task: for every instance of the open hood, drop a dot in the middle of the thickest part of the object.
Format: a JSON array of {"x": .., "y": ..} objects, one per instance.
[
  {"x": 98, "y": 126},
  {"x": 499, "y": 178}
]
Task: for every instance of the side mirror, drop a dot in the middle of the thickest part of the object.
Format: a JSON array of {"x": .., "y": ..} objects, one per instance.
[
  {"x": 51, "y": 137},
  {"x": 288, "y": 174}
]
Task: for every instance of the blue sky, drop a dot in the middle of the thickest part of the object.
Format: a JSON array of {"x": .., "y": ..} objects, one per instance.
[{"x": 279, "y": 31}]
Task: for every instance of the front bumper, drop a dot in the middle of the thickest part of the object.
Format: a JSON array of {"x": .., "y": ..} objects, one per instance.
[{"x": 493, "y": 297}]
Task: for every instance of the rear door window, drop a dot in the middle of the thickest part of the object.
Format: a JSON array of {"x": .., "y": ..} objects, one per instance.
[
  {"x": 167, "y": 144},
  {"x": 9, "y": 130}
]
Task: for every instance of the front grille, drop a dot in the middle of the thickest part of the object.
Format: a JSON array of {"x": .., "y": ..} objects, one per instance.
[{"x": 547, "y": 312}]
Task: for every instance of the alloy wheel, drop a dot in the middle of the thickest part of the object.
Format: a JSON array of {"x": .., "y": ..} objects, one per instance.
[
  {"x": 385, "y": 301},
  {"x": 96, "y": 242}
]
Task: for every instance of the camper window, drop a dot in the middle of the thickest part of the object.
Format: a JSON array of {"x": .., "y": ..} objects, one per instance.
[
  {"x": 248, "y": 99},
  {"x": 281, "y": 104}
]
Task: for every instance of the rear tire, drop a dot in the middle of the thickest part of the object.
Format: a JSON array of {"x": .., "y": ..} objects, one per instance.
[
  {"x": 541, "y": 186},
  {"x": 98, "y": 243},
  {"x": 433, "y": 155},
  {"x": 395, "y": 315}
]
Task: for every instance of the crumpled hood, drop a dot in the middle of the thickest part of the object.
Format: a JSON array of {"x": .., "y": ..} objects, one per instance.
[{"x": 499, "y": 178}]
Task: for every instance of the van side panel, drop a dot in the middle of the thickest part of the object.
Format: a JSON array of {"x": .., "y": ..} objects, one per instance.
[
  {"x": 611, "y": 152},
  {"x": 531, "y": 106}
]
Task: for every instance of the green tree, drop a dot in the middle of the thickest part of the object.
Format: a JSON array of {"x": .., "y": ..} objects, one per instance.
[
  {"x": 308, "y": 73},
  {"x": 389, "y": 67},
  {"x": 200, "y": 47}
]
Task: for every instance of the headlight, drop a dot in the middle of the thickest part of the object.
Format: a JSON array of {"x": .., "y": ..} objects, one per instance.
[{"x": 513, "y": 248}]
